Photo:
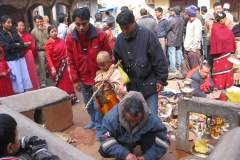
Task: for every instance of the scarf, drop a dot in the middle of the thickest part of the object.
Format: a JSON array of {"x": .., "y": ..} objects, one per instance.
[{"x": 222, "y": 40}]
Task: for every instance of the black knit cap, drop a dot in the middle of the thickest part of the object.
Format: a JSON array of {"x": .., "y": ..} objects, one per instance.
[{"x": 219, "y": 16}]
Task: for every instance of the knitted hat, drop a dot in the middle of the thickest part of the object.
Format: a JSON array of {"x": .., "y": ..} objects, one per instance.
[
  {"x": 191, "y": 11},
  {"x": 219, "y": 16}
]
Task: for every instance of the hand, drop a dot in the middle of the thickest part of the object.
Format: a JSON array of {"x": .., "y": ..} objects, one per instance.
[
  {"x": 3, "y": 73},
  {"x": 77, "y": 86},
  {"x": 211, "y": 96},
  {"x": 131, "y": 156},
  {"x": 140, "y": 158},
  {"x": 27, "y": 43},
  {"x": 159, "y": 87}
]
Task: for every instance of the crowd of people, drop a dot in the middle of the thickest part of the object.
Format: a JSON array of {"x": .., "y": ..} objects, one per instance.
[
  {"x": 191, "y": 37},
  {"x": 127, "y": 71}
]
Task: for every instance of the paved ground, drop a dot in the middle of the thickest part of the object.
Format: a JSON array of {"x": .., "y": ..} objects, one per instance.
[{"x": 86, "y": 140}]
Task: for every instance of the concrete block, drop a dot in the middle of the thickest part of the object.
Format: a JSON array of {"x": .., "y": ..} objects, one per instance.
[
  {"x": 229, "y": 111},
  {"x": 58, "y": 117},
  {"x": 57, "y": 146},
  {"x": 228, "y": 146},
  {"x": 51, "y": 103}
]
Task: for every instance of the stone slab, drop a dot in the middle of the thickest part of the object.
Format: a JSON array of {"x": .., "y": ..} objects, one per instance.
[
  {"x": 229, "y": 111},
  {"x": 57, "y": 146},
  {"x": 55, "y": 105}
]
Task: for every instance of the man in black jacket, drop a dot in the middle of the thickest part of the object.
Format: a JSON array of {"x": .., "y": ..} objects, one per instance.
[{"x": 143, "y": 58}]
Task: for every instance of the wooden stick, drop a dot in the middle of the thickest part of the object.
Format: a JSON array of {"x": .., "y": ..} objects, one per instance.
[{"x": 102, "y": 83}]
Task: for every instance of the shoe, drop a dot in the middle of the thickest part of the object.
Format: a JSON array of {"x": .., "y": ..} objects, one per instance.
[
  {"x": 171, "y": 75},
  {"x": 43, "y": 85},
  {"x": 77, "y": 101},
  {"x": 90, "y": 125},
  {"x": 74, "y": 100},
  {"x": 179, "y": 75}
]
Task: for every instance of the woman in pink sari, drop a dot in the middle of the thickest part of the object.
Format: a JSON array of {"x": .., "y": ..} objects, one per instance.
[{"x": 29, "y": 54}]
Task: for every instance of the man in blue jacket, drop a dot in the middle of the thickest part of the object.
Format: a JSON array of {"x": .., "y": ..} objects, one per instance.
[{"x": 129, "y": 124}]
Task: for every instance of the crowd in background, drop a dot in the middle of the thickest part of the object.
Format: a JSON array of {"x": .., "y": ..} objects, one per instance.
[{"x": 79, "y": 54}]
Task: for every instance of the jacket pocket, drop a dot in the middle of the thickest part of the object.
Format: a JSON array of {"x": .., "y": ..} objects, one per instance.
[{"x": 143, "y": 69}]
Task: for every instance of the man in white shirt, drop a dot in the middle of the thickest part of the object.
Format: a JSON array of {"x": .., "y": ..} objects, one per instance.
[
  {"x": 192, "y": 41},
  {"x": 62, "y": 27}
]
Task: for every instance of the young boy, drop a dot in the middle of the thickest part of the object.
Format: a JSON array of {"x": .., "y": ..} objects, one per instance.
[
  {"x": 28, "y": 148},
  {"x": 115, "y": 81}
]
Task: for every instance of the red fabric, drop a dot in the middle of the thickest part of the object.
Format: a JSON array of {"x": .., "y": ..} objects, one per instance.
[
  {"x": 9, "y": 158},
  {"x": 110, "y": 36},
  {"x": 223, "y": 81},
  {"x": 56, "y": 51},
  {"x": 223, "y": 97},
  {"x": 29, "y": 57},
  {"x": 206, "y": 85},
  {"x": 5, "y": 81},
  {"x": 26, "y": 38},
  {"x": 82, "y": 62},
  {"x": 222, "y": 40}
]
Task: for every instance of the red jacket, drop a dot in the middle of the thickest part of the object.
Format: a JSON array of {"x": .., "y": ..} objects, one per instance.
[{"x": 82, "y": 55}]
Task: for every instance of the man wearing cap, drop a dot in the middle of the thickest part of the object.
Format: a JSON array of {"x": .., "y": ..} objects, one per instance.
[
  {"x": 192, "y": 41},
  {"x": 229, "y": 20}
]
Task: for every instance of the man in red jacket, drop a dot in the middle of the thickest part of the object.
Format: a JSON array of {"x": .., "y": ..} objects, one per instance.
[{"x": 83, "y": 44}]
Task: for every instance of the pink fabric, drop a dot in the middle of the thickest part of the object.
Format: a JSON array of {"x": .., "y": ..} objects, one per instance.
[
  {"x": 32, "y": 69},
  {"x": 224, "y": 80},
  {"x": 110, "y": 37},
  {"x": 222, "y": 40},
  {"x": 5, "y": 81},
  {"x": 29, "y": 57}
]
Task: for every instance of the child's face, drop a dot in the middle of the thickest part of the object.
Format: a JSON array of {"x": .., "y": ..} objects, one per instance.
[
  {"x": 104, "y": 65},
  {"x": 13, "y": 148}
]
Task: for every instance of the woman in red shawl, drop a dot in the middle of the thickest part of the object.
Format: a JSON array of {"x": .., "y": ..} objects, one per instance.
[
  {"x": 29, "y": 54},
  {"x": 222, "y": 45},
  {"x": 5, "y": 81},
  {"x": 56, "y": 55}
]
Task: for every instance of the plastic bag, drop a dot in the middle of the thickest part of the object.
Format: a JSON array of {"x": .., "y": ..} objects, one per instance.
[
  {"x": 124, "y": 75},
  {"x": 233, "y": 94}
]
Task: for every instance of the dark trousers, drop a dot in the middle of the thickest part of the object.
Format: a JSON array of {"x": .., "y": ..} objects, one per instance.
[
  {"x": 193, "y": 58},
  {"x": 145, "y": 142}
]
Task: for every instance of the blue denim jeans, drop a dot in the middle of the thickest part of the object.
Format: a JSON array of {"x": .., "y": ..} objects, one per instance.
[
  {"x": 175, "y": 58},
  {"x": 152, "y": 102},
  {"x": 95, "y": 115}
]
